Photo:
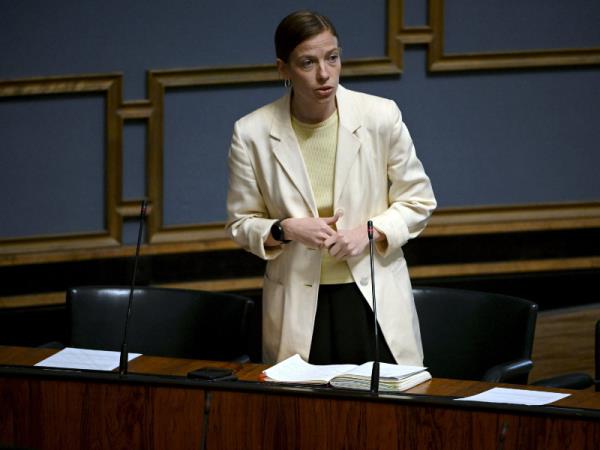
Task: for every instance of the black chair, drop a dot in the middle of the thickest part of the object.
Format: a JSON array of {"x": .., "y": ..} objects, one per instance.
[
  {"x": 474, "y": 335},
  {"x": 164, "y": 322},
  {"x": 577, "y": 380}
]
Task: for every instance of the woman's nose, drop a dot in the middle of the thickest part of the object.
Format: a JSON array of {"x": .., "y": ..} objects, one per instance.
[{"x": 323, "y": 71}]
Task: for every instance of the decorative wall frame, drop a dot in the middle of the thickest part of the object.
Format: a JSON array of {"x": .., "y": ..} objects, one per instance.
[
  {"x": 439, "y": 61},
  {"x": 110, "y": 86}
]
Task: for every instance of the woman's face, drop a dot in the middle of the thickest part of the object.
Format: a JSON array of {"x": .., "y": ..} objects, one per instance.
[{"x": 314, "y": 68}]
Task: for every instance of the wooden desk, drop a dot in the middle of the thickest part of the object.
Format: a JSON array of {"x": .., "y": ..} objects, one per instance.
[{"x": 156, "y": 407}]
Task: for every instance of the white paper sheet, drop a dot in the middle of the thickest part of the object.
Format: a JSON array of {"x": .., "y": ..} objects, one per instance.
[
  {"x": 516, "y": 396},
  {"x": 79, "y": 358},
  {"x": 387, "y": 370},
  {"x": 296, "y": 370}
]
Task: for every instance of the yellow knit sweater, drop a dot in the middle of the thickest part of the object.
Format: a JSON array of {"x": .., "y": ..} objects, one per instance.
[{"x": 318, "y": 143}]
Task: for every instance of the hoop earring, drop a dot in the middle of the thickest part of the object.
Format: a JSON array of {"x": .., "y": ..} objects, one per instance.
[{"x": 287, "y": 83}]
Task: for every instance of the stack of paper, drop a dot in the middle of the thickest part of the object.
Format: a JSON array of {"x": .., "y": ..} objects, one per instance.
[
  {"x": 392, "y": 377},
  {"x": 350, "y": 376}
]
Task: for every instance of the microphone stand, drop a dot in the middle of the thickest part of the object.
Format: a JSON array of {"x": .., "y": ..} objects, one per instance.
[
  {"x": 124, "y": 356},
  {"x": 375, "y": 371}
]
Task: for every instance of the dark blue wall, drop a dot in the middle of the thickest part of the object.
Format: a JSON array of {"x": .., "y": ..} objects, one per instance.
[{"x": 486, "y": 138}]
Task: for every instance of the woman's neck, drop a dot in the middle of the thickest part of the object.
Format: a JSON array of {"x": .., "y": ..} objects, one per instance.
[{"x": 316, "y": 113}]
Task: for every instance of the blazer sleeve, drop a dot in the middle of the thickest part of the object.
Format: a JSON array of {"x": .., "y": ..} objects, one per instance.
[
  {"x": 410, "y": 195},
  {"x": 248, "y": 221}
]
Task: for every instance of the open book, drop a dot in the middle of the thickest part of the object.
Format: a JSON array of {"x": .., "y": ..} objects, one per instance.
[{"x": 392, "y": 377}]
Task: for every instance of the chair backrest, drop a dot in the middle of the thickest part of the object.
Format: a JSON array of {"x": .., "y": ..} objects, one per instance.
[
  {"x": 465, "y": 333},
  {"x": 164, "y": 322},
  {"x": 597, "y": 356}
]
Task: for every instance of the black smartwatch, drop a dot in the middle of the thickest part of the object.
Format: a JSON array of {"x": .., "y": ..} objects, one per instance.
[{"x": 277, "y": 232}]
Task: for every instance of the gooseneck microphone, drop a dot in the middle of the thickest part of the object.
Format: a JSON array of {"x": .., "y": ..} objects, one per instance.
[
  {"x": 375, "y": 372},
  {"x": 123, "y": 360}
]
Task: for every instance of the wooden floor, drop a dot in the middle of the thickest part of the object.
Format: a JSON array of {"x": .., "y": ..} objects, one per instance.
[{"x": 564, "y": 341}]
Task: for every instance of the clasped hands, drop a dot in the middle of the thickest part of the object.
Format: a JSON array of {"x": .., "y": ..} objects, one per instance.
[{"x": 319, "y": 232}]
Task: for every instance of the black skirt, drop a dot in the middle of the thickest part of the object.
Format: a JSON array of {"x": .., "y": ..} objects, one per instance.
[{"x": 343, "y": 332}]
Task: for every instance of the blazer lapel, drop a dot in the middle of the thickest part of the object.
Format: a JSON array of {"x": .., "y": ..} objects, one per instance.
[
  {"x": 287, "y": 152},
  {"x": 348, "y": 141}
]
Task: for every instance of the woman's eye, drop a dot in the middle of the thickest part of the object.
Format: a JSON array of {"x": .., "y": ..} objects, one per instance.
[{"x": 306, "y": 64}]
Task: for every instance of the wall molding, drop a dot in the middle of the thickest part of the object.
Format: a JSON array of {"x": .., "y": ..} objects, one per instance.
[
  {"x": 515, "y": 218},
  {"x": 438, "y": 61},
  {"x": 417, "y": 273},
  {"x": 109, "y": 85},
  {"x": 445, "y": 222}
]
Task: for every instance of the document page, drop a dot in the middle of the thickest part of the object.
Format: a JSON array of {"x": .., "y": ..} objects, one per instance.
[
  {"x": 386, "y": 370},
  {"x": 516, "y": 396},
  {"x": 79, "y": 358},
  {"x": 296, "y": 370}
]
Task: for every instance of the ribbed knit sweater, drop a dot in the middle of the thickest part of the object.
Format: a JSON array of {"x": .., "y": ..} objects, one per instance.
[{"x": 318, "y": 144}]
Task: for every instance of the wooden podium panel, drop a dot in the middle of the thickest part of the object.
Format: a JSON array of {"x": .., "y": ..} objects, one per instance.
[
  {"x": 262, "y": 421},
  {"x": 73, "y": 414},
  {"x": 157, "y": 407}
]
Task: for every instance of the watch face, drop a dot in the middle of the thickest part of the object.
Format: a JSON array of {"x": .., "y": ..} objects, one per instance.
[{"x": 277, "y": 231}]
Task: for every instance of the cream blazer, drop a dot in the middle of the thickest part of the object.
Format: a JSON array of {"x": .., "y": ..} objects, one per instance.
[{"x": 377, "y": 177}]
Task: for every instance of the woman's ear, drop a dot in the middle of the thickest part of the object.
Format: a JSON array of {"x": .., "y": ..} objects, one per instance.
[{"x": 282, "y": 68}]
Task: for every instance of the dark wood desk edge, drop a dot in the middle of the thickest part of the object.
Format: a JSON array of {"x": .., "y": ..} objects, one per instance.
[{"x": 256, "y": 387}]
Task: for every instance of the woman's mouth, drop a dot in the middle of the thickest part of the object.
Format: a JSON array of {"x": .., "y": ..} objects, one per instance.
[{"x": 324, "y": 91}]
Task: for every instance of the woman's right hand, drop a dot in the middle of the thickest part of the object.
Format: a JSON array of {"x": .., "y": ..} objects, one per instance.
[{"x": 310, "y": 231}]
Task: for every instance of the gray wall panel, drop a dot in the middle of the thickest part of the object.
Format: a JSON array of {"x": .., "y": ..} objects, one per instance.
[
  {"x": 51, "y": 165},
  {"x": 480, "y": 26}
]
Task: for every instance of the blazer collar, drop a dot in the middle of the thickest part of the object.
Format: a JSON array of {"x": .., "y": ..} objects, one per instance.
[
  {"x": 348, "y": 141},
  {"x": 286, "y": 150}
]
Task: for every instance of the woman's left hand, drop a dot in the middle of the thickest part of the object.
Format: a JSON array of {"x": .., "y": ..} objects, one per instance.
[{"x": 347, "y": 243}]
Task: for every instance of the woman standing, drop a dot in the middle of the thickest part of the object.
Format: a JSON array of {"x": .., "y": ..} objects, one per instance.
[{"x": 306, "y": 173}]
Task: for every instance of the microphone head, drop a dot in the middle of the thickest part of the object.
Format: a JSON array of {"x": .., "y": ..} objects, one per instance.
[{"x": 370, "y": 229}]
